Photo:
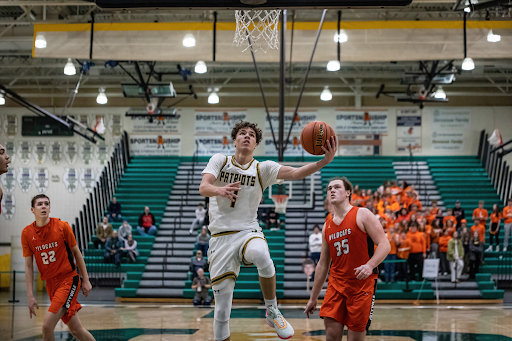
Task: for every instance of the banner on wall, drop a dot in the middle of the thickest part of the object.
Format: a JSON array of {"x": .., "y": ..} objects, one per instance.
[
  {"x": 449, "y": 127},
  {"x": 361, "y": 122},
  {"x": 10, "y": 125},
  {"x": 164, "y": 145},
  {"x": 41, "y": 179},
  {"x": 71, "y": 151},
  {"x": 86, "y": 151},
  {"x": 8, "y": 180},
  {"x": 70, "y": 179},
  {"x": 115, "y": 125},
  {"x": 25, "y": 179},
  {"x": 87, "y": 179},
  {"x": 408, "y": 130},
  {"x": 294, "y": 148},
  {"x": 103, "y": 152},
  {"x": 301, "y": 121},
  {"x": 358, "y": 145},
  {"x": 209, "y": 145},
  {"x": 221, "y": 122},
  {"x": 24, "y": 152},
  {"x": 39, "y": 152},
  {"x": 158, "y": 125},
  {"x": 55, "y": 152},
  {"x": 10, "y": 149},
  {"x": 8, "y": 206}
]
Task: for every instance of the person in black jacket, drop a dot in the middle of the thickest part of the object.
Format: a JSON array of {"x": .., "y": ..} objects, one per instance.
[
  {"x": 458, "y": 212},
  {"x": 147, "y": 223},
  {"x": 113, "y": 252},
  {"x": 114, "y": 211},
  {"x": 476, "y": 248}
]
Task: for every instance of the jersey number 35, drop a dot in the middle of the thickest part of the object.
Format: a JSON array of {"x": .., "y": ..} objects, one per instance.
[{"x": 339, "y": 246}]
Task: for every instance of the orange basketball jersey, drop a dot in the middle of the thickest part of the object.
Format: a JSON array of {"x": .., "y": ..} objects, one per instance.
[
  {"x": 349, "y": 248},
  {"x": 51, "y": 245}
]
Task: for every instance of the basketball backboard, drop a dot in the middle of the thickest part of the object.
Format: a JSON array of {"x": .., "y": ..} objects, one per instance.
[{"x": 155, "y": 90}]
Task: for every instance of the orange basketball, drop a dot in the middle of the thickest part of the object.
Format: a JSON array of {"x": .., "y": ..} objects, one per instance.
[{"x": 314, "y": 136}]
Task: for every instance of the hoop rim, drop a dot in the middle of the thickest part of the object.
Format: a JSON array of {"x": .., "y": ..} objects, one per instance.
[{"x": 280, "y": 198}]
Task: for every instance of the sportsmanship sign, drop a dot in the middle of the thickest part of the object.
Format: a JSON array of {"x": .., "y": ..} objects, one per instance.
[
  {"x": 300, "y": 122},
  {"x": 361, "y": 122},
  {"x": 221, "y": 122},
  {"x": 163, "y": 145},
  {"x": 209, "y": 145}
]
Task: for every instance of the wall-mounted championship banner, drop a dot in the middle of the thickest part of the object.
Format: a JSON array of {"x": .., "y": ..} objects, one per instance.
[
  {"x": 209, "y": 145},
  {"x": 55, "y": 151},
  {"x": 8, "y": 180},
  {"x": 71, "y": 151},
  {"x": 10, "y": 125},
  {"x": 115, "y": 125},
  {"x": 24, "y": 152},
  {"x": 86, "y": 151},
  {"x": 25, "y": 179},
  {"x": 8, "y": 206},
  {"x": 301, "y": 121},
  {"x": 87, "y": 179},
  {"x": 294, "y": 148},
  {"x": 361, "y": 122},
  {"x": 70, "y": 179},
  {"x": 10, "y": 149},
  {"x": 449, "y": 127},
  {"x": 39, "y": 152},
  {"x": 103, "y": 152},
  {"x": 221, "y": 122},
  {"x": 41, "y": 179},
  {"x": 408, "y": 130},
  {"x": 164, "y": 145},
  {"x": 159, "y": 125}
]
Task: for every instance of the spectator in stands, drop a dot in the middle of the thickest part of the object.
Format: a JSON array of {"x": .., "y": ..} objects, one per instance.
[
  {"x": 449, "y": 226},
  {"x": 449, "y": 216},
  {"x": 443, "y": 249},
  {"x": 465, "y": 237},
  {"x": 202, "y": 285},
  {"x": 480, "y": 228},
  {"x": 197, "y": 263},
  {"x": 418, "y": 251},
  {"x": 415, "y": 201},
  {"x": 403, "y": 215},
  {"x": 476, "y": 248},
  {"x": 404, "y": 226},
  {"x": 481, "y": 213},
  {"x": 455, "y": 256},
  {"x": 113, "y": 250},
  {"x": 130, "y": 248},
  {"x": 439, "y": 218},
  {"x": 263, "y": 211},
  {"x": 433, "y": 212},
  {"x": 389, "y": 268},
  {"x": 315, "y": 244},
  {"x": 200, "y": 215},
  {"x": 124, "y": 230},
  {"x": 103, "y": 233},
  {"x": 395, "y": 189},
  {"x": 273, "y": 221},
  {"x": 203, "y": 241},
  {"x": 435, "y": 233},
  {"x": 458, "y": 213},
  {"x": 114, "y": 211},
  {"x": 403, "y": 254},
  {"x": 507, "y": 215},
  {"x": 206, "y": 221},
  {"x": 147, "y": 223},
  {"x": 494, "y": 227}
]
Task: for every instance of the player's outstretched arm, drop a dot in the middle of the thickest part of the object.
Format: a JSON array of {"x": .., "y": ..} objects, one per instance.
[
  {"x": 291, "y": 173},
  {"x": 29, "y": 281},
  {"x": 320, "y": 276},
  {"x": 374, "y": 229},
  {"x": 86, "y": 284},
  {"x": 208, "y": 189}
]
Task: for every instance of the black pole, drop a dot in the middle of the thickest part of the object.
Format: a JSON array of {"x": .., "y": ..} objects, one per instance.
[
  {"x": 14, "y": 300},
  {"x": 282, "y": 70},
  {"x": 465, "y": 44},
  {"x": 92, "y": 36},
  {"x": 291, "y": 48},
  {"x": 480, "y": 145},
  {"x": 215, "y": 34},
  {"x": 339, "y": 32}
]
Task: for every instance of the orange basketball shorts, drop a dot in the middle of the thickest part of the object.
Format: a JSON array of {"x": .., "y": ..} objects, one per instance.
[
  {"x": 352, "y": 307},
  {"x": 63, "y": 291}
]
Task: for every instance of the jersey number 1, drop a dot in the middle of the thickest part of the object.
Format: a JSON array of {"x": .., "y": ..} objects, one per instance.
[
  {"x": 48, "y": 257},
  {"x": 234, "y": 202},
  {"x": 339, "y": 246}
]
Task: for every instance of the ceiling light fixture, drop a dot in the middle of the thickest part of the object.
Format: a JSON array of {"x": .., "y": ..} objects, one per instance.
[
  {"x": 213, "y": 98},
  {"x": 341, "y": 38},
  {"x": 69, "y": 68},
  {"x": 40, "y": 41},
  {"x": 440, "y": 94},
  {"x": 493, "y": 38},
  {"x": 102, "y": 97},
  {"x": 2, "y": 99},
  {"x": 200, "y": 67},
  {"x": 333, "y": 65},
  {"x": 326, "y": 94},
  {"x": 467, "y": 64},
  {"x": 189, "y": 40}
]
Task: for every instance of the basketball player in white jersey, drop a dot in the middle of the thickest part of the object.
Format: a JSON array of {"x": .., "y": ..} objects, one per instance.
[{"x": 235, "y": 185}]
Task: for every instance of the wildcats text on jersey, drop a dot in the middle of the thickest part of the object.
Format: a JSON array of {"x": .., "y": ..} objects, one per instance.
[
  {"x": 245, "y": 180},
  {"x": 46, "y": 246},
  {"x": 339, "y": 234}
]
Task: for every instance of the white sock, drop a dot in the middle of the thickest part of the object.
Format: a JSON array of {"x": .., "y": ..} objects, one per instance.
[{"x": 269, "y": 303}]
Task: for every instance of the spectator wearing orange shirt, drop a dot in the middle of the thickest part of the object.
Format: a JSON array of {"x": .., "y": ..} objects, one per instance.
[
  {"x": 418, "y": 252},
  {"x": 414, "y": 200},
  {"x": 389, "y": 268},
  {"x": 403, "y": 215},
  {"x": 450, "y": 227},
  {"x": 507, "y": 215},
  {"x": 403, "y": 253},
  {"x": 435, "y": 233},
  {"x": 395, "y": 189},
  {"x": 443, "y": 249},
  {"x": 480, "y": 228},
  {"x": 449, "y": 216},
  {"x": 433, "y": 212},
  {"x": 494, "y": 228},
  {"x": 481, "y": 213}
]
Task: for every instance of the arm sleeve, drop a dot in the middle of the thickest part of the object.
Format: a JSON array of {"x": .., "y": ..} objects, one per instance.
[
  {"x": 69, "y": 236},
  {"x": 153, "y": 220},
  {"x": 215, "y": 165},
  {"x": 140, "y": 220},
  {"x": 268, "y": 172},
  {"x": 27, "y": 251}
]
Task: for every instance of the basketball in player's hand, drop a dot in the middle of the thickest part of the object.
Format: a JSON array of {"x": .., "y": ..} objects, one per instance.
[{"x": 314, "y": 136}]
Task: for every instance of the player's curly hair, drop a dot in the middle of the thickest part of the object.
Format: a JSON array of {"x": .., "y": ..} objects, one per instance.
[{"x": 245, "y": 124}]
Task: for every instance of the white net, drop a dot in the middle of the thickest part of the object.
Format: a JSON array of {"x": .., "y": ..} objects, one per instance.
[
  {"x": 280, "y": 201},
  {"x": 257, "y": 29}
]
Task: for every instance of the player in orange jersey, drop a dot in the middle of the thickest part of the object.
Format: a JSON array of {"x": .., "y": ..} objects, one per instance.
[
  {"x": 52, "y": 243},
  {"x": 4, "y": 161},
  {"x": 348, "y": 242}
]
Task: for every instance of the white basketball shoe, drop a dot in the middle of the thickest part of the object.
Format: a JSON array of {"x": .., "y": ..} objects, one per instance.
[{"x": 276, "y": 320}]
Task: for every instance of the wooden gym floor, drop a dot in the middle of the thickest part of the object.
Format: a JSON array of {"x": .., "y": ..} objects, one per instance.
[{"x": 149, "y": 322}]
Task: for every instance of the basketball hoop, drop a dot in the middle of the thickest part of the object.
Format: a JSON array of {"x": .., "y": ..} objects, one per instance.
[
  {"x": 152, "y": 105},
  {"x": 280, "y": 201},
  {"x": 257, "y": 29}
]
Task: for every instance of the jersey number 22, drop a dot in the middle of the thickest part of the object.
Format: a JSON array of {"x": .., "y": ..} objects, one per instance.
[
  {"x": 48, "y": 257},
  {"x": 339, "y": 246}
]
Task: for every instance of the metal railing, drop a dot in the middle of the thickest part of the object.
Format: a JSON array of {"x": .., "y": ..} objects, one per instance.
[
  {"x": 498, "y": 170},
  {"x": 504, "y": 275}
]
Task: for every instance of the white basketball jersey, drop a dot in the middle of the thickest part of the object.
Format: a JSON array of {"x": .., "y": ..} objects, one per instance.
[{"x": 254, "y": 177}]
